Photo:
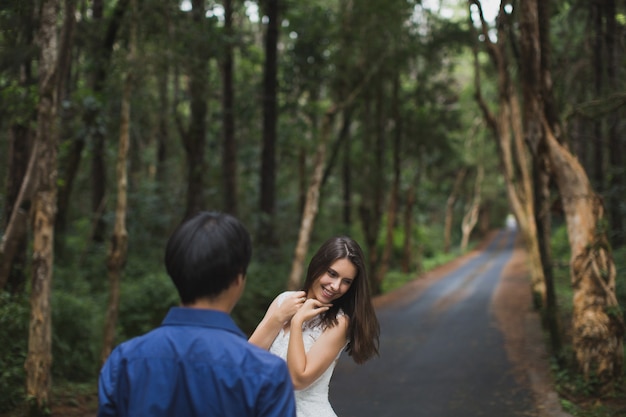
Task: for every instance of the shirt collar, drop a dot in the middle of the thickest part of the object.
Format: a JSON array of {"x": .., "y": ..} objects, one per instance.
[{"x": 186, "y": 316}]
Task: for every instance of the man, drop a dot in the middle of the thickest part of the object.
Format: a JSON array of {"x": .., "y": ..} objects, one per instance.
[{"x": 198, "y": 362}]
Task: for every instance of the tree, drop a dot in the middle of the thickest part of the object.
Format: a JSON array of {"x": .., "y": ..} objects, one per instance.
[
  {"x": 20, "y": 155},
  {"x": 229, "y": 149},
  {"x": 39, "y": 359},
  {"x": 597, "y": 322},
  {"x": 194, "y": 136},
  {"x": 473, "y": 206},
  {"x": 270, "y": 116},
  {"x": 99, "y": 56},
  {"x": 117, "y": 255},
  {"x": 507, "y": 129}
]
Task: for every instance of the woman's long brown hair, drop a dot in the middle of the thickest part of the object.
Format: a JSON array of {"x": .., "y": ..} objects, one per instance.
[{"x": 356, "y": 303}]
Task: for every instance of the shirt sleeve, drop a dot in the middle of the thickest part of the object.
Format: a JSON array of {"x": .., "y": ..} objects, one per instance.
[
  {"x": 277, "y": 397},
  {"x": 106, "y": 388}
]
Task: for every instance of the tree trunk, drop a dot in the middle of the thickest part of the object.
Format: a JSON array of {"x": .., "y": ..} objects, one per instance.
[
  {"x": 17, "y": 208},
  {"x": 99, "y": 58},
  {"x": 508, "y": 131},
  {"x": 17, "y": 203},
  {"x": 598, "y": 81},
  {"x": 371, "y": 207},
  {"x": 471, "y": 215},
  {"x": 616, "y": 143},
  {"x": 194, "y": 138},
  {"x": 116, "y": 258},
  {"x": 598, "y": 327},
  {"x": 392, "y": 211},
  {"x": 270, "y": 119},
  {"x": 447, "y": 227},
  {"x": 346, "y": 176},
  {"x": 536, "y": 87},
  {"x": 409, "y": 257},
  {"x": 229, "y": 156},
  {"x": 311, "y": 205},
  {"x": 39, "y": 357}
]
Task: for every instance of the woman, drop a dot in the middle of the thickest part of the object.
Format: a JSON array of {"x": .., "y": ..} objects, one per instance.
[{"x": 310, "y": 328}]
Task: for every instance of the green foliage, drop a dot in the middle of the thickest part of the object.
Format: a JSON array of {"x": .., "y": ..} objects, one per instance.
[
  {"x": 144, "y": 302},
  {"x": 76, "y": 327},
  {"x": 264, "y": 281},
  {"x": 14, "y": 318}
]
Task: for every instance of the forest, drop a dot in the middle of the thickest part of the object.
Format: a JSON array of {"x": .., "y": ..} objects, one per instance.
[{"x": 417, "y": 127}]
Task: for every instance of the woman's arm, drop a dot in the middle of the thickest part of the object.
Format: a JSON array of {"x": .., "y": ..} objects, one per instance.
[
  {"x": 277, "y": 315},
  {"x": 306, "y": 367}
]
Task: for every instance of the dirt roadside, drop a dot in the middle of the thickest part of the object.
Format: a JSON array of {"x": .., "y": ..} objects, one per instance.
[{"x": 524, "y": 338}]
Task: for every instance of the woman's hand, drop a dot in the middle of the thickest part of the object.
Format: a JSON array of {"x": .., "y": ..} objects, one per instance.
[
  {"x": 289, "y": 306},
  {"x": 309, "y": 309}
]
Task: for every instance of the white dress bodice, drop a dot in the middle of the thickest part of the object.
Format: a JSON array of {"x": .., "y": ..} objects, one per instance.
[{"x": 313, "y": 400}]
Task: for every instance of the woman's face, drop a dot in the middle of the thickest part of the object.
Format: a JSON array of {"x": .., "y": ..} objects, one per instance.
[{"x": 335, "y": 282}]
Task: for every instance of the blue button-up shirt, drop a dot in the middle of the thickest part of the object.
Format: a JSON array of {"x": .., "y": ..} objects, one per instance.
[{"x": 197, "y": 363}]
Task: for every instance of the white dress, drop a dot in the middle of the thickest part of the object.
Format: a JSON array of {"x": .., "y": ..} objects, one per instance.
[{"x": 313, "y": 400}]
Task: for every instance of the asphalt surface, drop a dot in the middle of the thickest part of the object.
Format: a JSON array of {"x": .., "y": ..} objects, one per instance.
[{"x": 441, "y": 353}]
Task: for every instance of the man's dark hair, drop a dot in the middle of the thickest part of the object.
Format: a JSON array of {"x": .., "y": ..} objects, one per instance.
[{"x": 206, "y": 253}]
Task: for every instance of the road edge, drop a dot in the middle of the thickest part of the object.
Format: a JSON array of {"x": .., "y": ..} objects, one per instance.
[{"x": 521, "y": 327}]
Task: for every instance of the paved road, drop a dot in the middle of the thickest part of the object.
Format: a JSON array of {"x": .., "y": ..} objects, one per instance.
[{"x": 441, "y": 354}]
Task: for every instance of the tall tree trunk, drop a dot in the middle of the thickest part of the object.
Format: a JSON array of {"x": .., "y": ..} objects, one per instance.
[
  {"x": 392, "y": 210},
  {"x": 66, "y": 113},
  {"x": 508, "y": 130},
  {"x": 598, "y": 326},
  {"x": 371, "y": 207},
  {"x": 39, "y": 358},
  {"x": 471, "y": 215},
  {"x": 270, "y": 119},
  {"x": 17, "y": 208},
  {"x": 17, "y": 203},
  {"x": 116, "y": 258},
  {"x": 409, "y": 257},
  {"x": 229, "y": 158},
  {"x": 616, "y": 142},
  {"x": 536, "y": 87},
  {"x": 311, "y": 205},
  {"x": 449, "y": 213},
  {"x": 194, "y": 137},
  {"x": 163, "y": 130},
  {"x": 346, "y": 176},
  {"x": 598, "y": 81},
  {"x": 99, "y": 56}
]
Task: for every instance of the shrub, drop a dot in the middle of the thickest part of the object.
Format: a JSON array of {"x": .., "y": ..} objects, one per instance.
[{"x": 14, "y": 316}]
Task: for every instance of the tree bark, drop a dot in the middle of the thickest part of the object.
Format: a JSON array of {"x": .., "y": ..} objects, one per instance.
[
  {"x": 598, "y": 326},
  {"x": 449, "y": 213},
  {"x": 392, "y": 210},
  {"x": 471, "y": 215},
  {"x": 194, "y": 137},
  {"x": 597, "y": 62},
  {"x": 13, "y": 249},
  {"x": 536, "y": 87},
  {"x": 229, "y": 157},
  {"x": 116, "y": 258},
  {"x": 17, "y": 208},
  {"x": 39, "y": 357},
  {"x": 508, "y": 131},
  {"x": 616, "y": 143},
  {"x": 311, "y": 205},
  {"x": 99, "y": 57},
  {"x": 270, "y": 119}
]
